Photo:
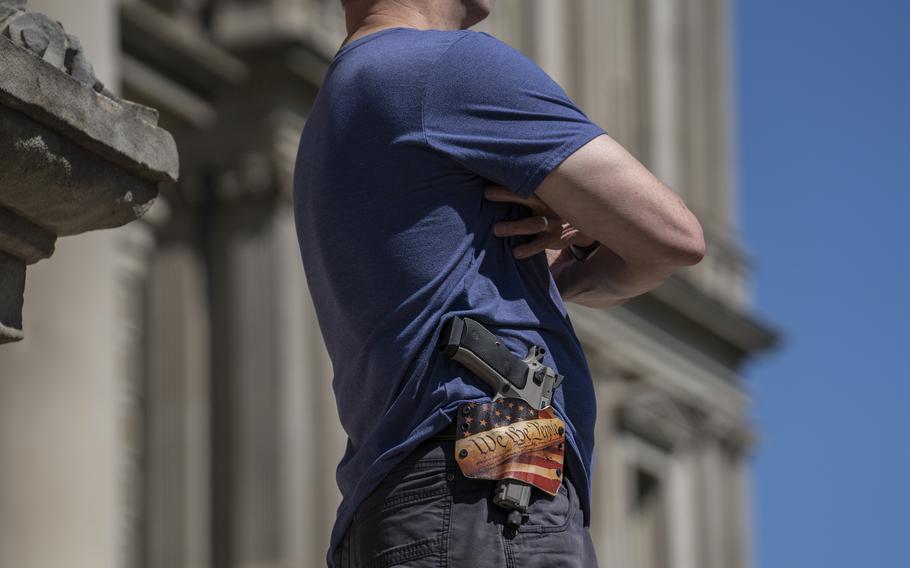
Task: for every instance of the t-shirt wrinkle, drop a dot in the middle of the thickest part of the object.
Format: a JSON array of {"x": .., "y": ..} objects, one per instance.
[{"x": 426, "y": 87}]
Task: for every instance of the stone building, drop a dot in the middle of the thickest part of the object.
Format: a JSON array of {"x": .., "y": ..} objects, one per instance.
[{"x": 171, "y": 404}]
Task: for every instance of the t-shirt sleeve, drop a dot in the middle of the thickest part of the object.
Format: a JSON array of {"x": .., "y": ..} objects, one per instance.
[{"x": 499, "y": 115}]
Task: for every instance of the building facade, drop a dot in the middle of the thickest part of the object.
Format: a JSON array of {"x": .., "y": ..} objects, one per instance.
[{"x": 180, "y": 393}]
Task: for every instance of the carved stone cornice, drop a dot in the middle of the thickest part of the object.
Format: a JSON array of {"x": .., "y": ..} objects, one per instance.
[
  {"x": 318, "y": 24},
  {"x": 180, "y": 52},
  {"x": 121, "y": 132},
  {"x": 265, "y": 170},
  {"x": 72, "y": 158},
  {"x": 740, "y": 329},
  {"x": 672, "y": 424},
  {"x": 657, "y": 418},
  {"x": 736, "y": 436}
]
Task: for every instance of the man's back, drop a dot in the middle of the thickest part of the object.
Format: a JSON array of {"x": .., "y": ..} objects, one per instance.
[{"x": 396, "y": 235}]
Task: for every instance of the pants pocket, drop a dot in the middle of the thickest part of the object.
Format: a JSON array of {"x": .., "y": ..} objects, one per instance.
[
  {"x": 548, "y": 514},
  {"x": 558, "y": 538},
  {"x": 405, "y": 520}
]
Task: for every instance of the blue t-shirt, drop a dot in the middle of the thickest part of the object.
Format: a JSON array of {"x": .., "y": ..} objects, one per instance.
[{"x": 396, "y": 236}]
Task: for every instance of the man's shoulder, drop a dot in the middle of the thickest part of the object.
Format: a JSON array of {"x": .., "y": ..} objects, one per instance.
[
  {"x": 481, "y": 47},
  {"x": 450, "y": 47},
  {"x": 478, "y": 63},
  {"x": 412, "y": 50}
]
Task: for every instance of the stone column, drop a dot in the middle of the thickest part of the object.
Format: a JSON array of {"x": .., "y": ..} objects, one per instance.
[
  {"x": 551, "y": 42},
  {"x": 594, "y": 60},
  {"x": 277, "y": 435},
  {"x": 696, "y": 101},
  {"x": 310, "y": 436},
  {"x": 722, "y": 475},
  {"x": 664, "y": 76},
  {"x": 609, "y": 499},
  {"x": 177, "y": 399},
  {"x": 683, "y": 510},
  {"x": 722, "y": 202},
  {"x": 245, "y": 396},
  {"x": 620, "y": 52},
  {"x": 58, "y": 401},
  {"x": 743, "y": 484}
]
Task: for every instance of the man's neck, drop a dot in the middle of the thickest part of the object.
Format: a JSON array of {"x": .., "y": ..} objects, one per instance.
[{"x": 364, "y": 17}]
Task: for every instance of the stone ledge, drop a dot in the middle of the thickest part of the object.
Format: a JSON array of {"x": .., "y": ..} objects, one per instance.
[
  {"x": 72, "y": 160},
  {"x": 122, "y": 132},
  {"x": 61, "y": 186}
]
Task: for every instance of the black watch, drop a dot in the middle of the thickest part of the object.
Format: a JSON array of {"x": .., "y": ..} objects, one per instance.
[{"x": 582, "y": 254}]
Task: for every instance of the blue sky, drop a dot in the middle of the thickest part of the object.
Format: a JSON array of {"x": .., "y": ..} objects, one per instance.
[{"x": 824, "y": 143}]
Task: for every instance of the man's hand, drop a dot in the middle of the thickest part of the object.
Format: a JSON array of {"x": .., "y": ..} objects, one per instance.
[{"x": 554, "y": 234}]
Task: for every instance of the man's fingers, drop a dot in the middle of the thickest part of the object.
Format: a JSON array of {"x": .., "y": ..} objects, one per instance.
[
  {"x": 536, "y": 246},
  {"x": 526, "y": 226}
]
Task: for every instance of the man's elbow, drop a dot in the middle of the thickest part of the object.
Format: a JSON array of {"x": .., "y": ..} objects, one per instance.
[
  {"x": 692, "y": 249},
  {"x": 687, "y": 248}
]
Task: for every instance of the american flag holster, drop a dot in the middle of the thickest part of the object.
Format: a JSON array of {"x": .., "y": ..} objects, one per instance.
[{"x": 509, "y": 439}]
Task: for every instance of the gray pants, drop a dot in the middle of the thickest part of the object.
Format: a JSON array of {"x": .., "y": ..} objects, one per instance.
[{"x": 426, "y": 514}]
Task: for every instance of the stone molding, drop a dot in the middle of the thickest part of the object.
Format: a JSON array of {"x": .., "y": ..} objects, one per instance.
[
  {"x": 672, "y": 424},
  {"x": 122, "y": 132},
  {"x": 73, "y": 158},
  {"x": 656, "y": 417}
]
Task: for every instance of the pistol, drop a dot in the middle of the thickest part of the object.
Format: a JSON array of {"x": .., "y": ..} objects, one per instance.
[{"x": 468, "y": 342}]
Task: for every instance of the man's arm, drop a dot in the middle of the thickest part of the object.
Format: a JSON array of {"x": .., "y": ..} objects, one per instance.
[{"x": 645, "y": 230}]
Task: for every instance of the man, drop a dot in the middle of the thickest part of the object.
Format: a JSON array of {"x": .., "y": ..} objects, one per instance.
[{"x": 426, "y": 149}]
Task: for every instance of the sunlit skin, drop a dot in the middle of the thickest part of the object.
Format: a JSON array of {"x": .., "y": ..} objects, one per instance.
[{"x": 364, "y": 17}]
